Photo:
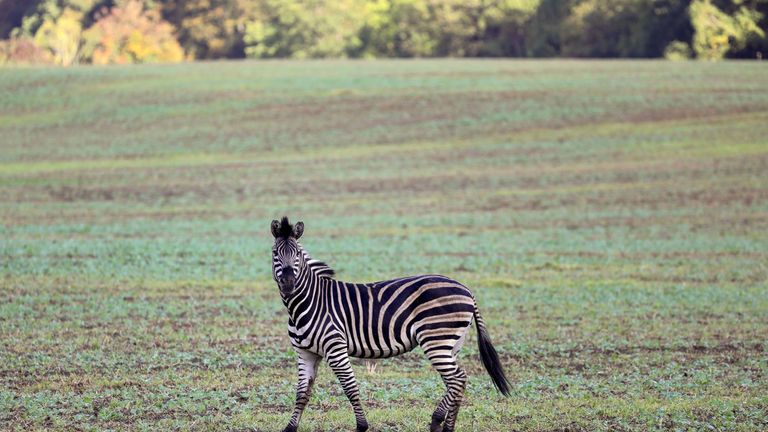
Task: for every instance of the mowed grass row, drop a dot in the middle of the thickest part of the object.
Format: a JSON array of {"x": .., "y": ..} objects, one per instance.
[{"x": 609, "y": 216}]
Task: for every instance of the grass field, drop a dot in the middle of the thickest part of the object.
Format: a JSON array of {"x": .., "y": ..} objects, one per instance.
[{"x": 610, "y": 217}]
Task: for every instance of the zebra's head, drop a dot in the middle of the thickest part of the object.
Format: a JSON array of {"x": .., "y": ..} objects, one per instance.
[{"x": 287, "y": 256}]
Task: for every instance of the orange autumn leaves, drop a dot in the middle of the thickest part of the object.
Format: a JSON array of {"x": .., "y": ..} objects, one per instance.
[{"x": 131, "y": 34}]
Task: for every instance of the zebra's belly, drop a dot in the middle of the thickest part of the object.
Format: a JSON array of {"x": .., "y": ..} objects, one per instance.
[
  {"x": 309, "y": 344},
  {"x": 307, "y": 339},
  {"x": 383, "y": 350}
]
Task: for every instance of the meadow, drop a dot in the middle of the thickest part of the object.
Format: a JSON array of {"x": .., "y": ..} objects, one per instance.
[{"x": 610, "y": 217}]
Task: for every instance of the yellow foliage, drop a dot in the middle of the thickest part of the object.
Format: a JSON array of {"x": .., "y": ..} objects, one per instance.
[
  {"x": 715, "y": 32},
  {"x": 131, "y": 34},
  {"x": 61, "y": 37}
]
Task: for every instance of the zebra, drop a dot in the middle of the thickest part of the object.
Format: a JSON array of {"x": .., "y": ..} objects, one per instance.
[{"x": 336, "y": 320}]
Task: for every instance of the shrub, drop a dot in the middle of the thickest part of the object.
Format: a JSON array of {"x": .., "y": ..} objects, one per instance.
[
  {"x": 131, "y": 34},
  {"x": 23, "y": 51}
]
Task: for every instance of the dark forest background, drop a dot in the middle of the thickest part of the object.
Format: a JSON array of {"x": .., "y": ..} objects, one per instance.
[{"x": 67, "y": 32}]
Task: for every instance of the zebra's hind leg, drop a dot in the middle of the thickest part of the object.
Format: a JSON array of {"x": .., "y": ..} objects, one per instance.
[
  {"x": 308, "y": 363},
  {"x": 441, "y": 412},
  {"x": 455, "y": 380},
  {"x": 438, "y": 417},
  {"x": 339, "y": 361}
]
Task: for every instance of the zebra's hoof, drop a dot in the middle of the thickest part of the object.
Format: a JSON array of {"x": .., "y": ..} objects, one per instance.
[
  {"x": 437, "y": 423},
  {"x": 361, "y": 427},
  {"x": 289, "y": 428}
]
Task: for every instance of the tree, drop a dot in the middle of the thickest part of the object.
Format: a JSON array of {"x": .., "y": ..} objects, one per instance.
[
  {"x": 399, "y": 28},
  {"x": 39, "y": 11},
  {"x": 131, "y": 34},
  {"x": 610, "y": 28},
  {"x": 61, "y": 36},
  {"x": 598, "y": 28},
  {"x": 544, "y": 36},
  {"x": 483, "y": 27},
  {"x": 210, "y": 28},
  {"x": 134, "y": 30},
  {"x": 307, "y": 29},
  {"x": 460, "y": 28},
  {"x": 506, "y": 34},
  {"x": 717, "y": 32},
  {"x": 12, "y": 13},
  {"x": 22, "y": 51},
  {"x": 756, "y": 45}
]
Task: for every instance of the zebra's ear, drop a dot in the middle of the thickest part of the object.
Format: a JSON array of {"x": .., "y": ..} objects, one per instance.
[
  {"x": 275, "y": 228},
  {"x": 298, "y": 229}
]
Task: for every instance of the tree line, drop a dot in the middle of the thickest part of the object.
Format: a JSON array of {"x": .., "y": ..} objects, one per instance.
[{"x": 67, "y": 32}]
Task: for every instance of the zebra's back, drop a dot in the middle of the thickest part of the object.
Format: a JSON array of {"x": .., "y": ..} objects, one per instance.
[{"x": 388, "y": 318}]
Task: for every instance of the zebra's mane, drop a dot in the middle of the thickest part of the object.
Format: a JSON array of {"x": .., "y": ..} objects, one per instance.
[
  {"x": 321, "y": 269},
  {"x": 286, "y": 228}
]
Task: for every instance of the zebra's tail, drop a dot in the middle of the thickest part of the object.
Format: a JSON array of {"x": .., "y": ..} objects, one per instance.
[{"x": 489, "y": 356}]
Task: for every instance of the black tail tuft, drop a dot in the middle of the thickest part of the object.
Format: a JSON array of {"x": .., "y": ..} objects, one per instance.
[{"x": 491, "y": 361}]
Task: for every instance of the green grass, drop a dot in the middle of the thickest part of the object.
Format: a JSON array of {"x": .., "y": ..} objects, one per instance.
[{"x": 610, "y": 217}]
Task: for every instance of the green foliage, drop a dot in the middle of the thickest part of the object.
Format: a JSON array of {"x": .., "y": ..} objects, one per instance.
[
  {"x": 210, "y": 28},
  {"x": 399, "y": 28},
  {"x": 616, "y": 28},
  {"x": 307, "y": 29},
  {"x": 482, "y": 28},
  {"x": 408, "y": 28},
  {"x": 42, "y": 11},
  {"x": 717, "y": 33},
  {"x": 678, "y": 50},
  {"x": 544, "y": 34},
  {"x": 417, "y": 28},
  {"x": 597, "y": 28}
]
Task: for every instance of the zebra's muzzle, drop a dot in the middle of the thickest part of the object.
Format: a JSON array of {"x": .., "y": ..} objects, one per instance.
[{"x": 286, "y": 284}]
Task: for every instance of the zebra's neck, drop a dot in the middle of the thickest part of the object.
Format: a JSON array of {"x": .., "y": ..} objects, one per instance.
[
  {"x": 308, "y": 296},
  {"x": 311, "y": 280}
]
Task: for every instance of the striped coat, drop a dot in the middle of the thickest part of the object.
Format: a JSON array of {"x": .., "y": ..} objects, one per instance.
[{"x": 336, "y": 320}]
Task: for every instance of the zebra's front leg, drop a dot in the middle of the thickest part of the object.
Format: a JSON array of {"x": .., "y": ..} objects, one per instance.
[
  {"x": 308, "y": 363},
  {"x": 339, "y": 361}
]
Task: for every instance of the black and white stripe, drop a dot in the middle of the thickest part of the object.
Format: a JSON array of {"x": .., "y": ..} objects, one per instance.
[{"x": 336, "y": 320}]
